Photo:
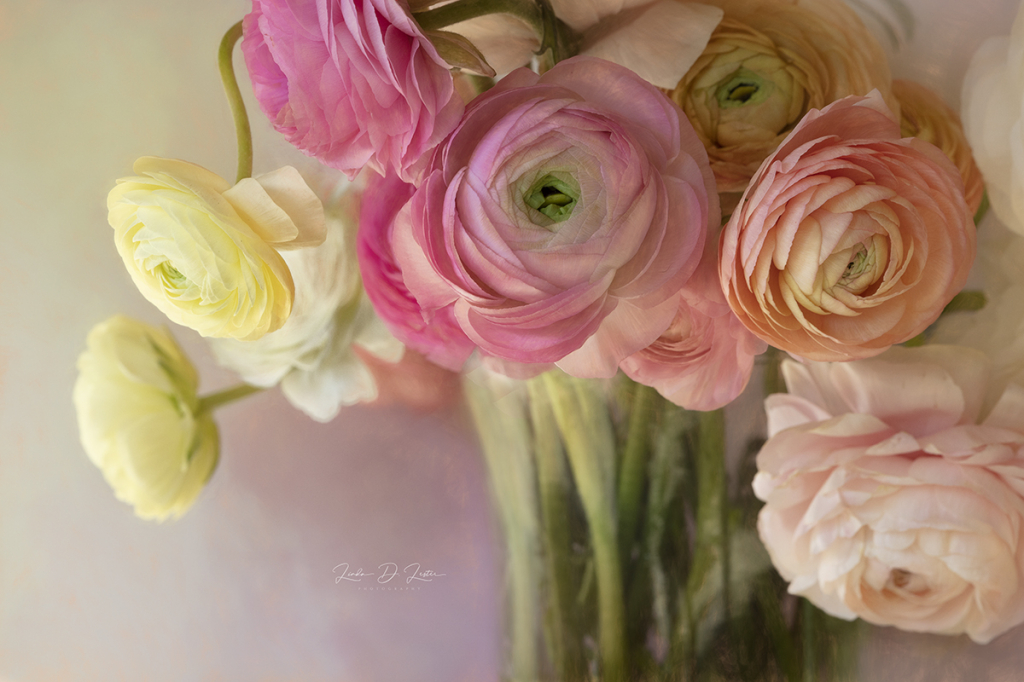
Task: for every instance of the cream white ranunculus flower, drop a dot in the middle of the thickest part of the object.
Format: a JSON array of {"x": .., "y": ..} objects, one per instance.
[
  {"x": 312, "y": 355},
  {"x": 204, "y": 252},
  {"x": 992, "y": 110},
  {"x": 139, "y": 418},
  {"x": 894, "y": 490},
  {"x": 657, "y": 40}
]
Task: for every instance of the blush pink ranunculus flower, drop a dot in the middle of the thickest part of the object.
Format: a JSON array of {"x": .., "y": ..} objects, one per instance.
[
  {"x": 437, "y": 335},
  {"x": 561, "y": 218},
  {"x": 848, "y": 239},
  {"x": 704, "y": 359},
  {"x": 352, "y": 83},
  {"x": 894, "y": 490}
]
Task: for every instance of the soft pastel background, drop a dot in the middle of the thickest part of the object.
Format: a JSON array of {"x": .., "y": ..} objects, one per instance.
[{"x": 242, "y": 587}]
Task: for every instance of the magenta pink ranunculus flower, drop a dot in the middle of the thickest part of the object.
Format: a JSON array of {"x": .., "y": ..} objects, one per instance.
[
  {"x": 350, "y": 82},
  {"x": 704, "y": 359},
  {"x": 894, "y": 490},
  {"x": 561, "y": 218},
  {"x": 437, "y": 335}
]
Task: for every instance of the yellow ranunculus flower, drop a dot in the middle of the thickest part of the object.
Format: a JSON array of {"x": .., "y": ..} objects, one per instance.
[
  {"x": 139, "y": 417},
  {"x": 766, "y": 65},
  {"x": 204, "y": 252},
  {"x": 924, "y": 115}
]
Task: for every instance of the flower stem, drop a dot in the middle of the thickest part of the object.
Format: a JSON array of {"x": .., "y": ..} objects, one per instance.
[
  {"x": 589, "y": 442},
  {"x": 211, "y": 402},
  {"x": 808, "y": 631},
  {"x": 227, "y": 77},
  {"x": 464, "y": 10},
  {"x": 554, "y": 485},
  {"x": 634, "y": 465},
  {"x": 501, "y": 424}
]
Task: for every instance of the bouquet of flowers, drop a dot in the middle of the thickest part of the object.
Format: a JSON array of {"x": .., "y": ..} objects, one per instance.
[{"x": 606, "y": 216}]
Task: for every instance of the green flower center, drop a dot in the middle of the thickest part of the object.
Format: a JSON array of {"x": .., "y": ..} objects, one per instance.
[
  {"x": 172, "y": 277},
  {"x": 744, "y": 88},
  {"x": 554, "y": 196},
  {"x": 860, "y": 262}
]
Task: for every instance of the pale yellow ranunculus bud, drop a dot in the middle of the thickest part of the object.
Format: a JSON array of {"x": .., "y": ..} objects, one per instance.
[
  {"x": 204, "y": 252},
  {"x": 767, "y": 63},
  {"x": 139, "y": 417}
]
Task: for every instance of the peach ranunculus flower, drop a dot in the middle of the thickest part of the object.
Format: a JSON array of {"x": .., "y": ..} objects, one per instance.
[
  {"x": 894, "y": 491},
  {"x": 766, "y": 65},
  {"x": 849, "y": 239},
  {"x": 924, "y": 115},
  {"x": 993, "y": 110}
]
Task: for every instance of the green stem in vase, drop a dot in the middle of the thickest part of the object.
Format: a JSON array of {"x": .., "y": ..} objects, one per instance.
[
  {"x": 666, "y": 476},
  {"x": 554, "y": 485},
  {"x": 211, "y": 402},
  {"x": 632, "y": 480},
  {"x": 227, "y": 77},
  {"x": 808, "y": 633},
  {"x": 501, "y": 423},
  {"x": 586, "y": 428},
  {"x": 707, "y": 584}
]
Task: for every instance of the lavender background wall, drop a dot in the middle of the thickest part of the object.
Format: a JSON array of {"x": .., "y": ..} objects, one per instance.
[{"x": 242, "y": 587}]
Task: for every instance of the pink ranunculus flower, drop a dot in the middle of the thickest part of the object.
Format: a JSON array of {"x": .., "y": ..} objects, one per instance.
[
  {"x": 849, "y": 239},
  {"x": 352, "y": 83},
  {"x": 704, "y": 359},
  {"x": 437, "y": 336},
  {"x": 894, "y": 490},
  {"x": 561, "y": 218}
]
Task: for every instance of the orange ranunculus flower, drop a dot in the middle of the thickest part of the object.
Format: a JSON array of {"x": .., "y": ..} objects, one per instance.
[
  {"x": 849, "y": 239},
  {"x": 923, "y": 114},
  {"x": 766, "y": 65}
]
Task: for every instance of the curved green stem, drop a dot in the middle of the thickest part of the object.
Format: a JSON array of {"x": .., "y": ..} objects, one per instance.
[
  {"x": 227, "y": 77},
  {"x": 464, "y": 10},
  {"x": 211, "y": 402}
]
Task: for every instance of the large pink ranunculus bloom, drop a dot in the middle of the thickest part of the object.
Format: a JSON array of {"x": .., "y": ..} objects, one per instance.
[
  {"x": 704, "y": 359},
  {"x": 436, "y": 336},
  {"x": 561, "y": 218},
  {"x": 894, "y": 490},
  {"x": 350, "y": 82},
  {"x": 849, "y": 239}
]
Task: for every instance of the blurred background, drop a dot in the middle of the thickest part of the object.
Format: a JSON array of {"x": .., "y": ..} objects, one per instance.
[{"x": 244, "y": 586}]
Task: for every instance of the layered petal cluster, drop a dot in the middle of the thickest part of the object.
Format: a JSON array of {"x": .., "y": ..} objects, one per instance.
[
  {"x": 204, "y": 252},
  {"x": 766, "y": 65},
  {"x": 353, "y": 83},
  {"x": 894, "y": 491},
  {"x": 436, "y": 335},
  {"x": 704, "y": 359},
  {"x": 993, "y": 110},
  {"x": 561, "y": 218},
  {"x": 849, "y": 239},
  {"x": 139, "y": 418},
  {"x": 923, "y": 114},
  {"x": 314, "y": 356}
]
